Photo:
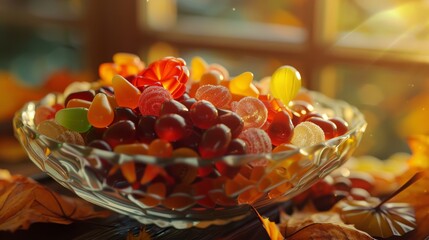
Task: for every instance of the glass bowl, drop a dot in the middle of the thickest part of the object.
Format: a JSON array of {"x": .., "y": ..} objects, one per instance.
[{"x": 166, "y": 191}]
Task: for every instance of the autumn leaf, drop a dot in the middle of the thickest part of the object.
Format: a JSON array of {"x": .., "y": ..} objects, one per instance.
[
  {"x": 141, "y": 235},
  {"x": 23, "y": 202},
  {"x": 271, "y": 227}
]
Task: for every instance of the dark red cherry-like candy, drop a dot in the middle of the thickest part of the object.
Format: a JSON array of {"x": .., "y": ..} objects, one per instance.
[
  {"x": 215, "y": 141},
  {"x": 121, "y": 132},
  {"x": 203, "y": 114},
  {"x": 170, "y": 127},
  {"x": 281, "y": 128}
]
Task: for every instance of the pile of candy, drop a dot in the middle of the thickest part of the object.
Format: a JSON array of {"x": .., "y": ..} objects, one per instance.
[{"x": 155, "y": 110}]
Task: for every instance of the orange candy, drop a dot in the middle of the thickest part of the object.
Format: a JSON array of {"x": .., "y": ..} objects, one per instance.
[
  {"x": 126, "y": 94},
  {"x": 160, "y": 148},
  {"x": 124, "y": 64},
  {"x": 100, "y": 113}
]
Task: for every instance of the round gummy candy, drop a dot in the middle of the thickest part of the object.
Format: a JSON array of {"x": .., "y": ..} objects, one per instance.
[
  {"x": 281, "y": 128},
  {"x": 257, "y": 141},
  {"x": 252, "y": 111},
  {"x": 75, "y": 119},
  {"x": 285, "y": 83},
  {"x": 203, "y": 114},
  {"x": 217, "y": 95},
  {"x": 170, "y": 127},
  {"x": 307, "y": 134},
  {"x": 215, "y": 141},
  {"x": 151, "y": 100}
]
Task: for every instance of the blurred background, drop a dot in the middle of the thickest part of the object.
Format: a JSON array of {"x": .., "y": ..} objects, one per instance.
[{"x": 372, "y": 54}]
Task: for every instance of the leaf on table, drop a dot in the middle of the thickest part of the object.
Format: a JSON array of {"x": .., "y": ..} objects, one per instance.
[
  {"x": 23, "y": 202},
  {"x": 321, "y": 225},
  {"x": 271, "y": 227}
]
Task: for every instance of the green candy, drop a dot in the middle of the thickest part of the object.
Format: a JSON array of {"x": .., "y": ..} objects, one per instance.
[{"x": 74, "y": 119}]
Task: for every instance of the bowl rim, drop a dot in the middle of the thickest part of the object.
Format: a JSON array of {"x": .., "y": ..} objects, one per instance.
[{"x": 357, "y": 124}]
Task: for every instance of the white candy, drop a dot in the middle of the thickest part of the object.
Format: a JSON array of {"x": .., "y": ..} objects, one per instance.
[{"x": 307, "y": 134}]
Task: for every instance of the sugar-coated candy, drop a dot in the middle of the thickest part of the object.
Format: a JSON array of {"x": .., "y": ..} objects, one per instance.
[
  {"x": 126, "y": 94},
  {"x": 151, "y": 100},
  {"x": 132, "y": 148},
  {"x": 219, "y": 96},
  {"x": 215, "y": 141},
  {"x": 285, "y": 83},
  {"x": 122, "y": 132},
  {"x": 75, "y": 119},
  {"x": 328, "y": 127},
  {"x": 233, "y": 122},
  {"x": 252, "y": 111},
  {"x": 50, "y": 128},
  {"x": 170, "y": 127},
  {"x": 171, "y": 72},
  {"x": 281, "y": 128},
  {"x": 43, "y": 113},
  {"x": 199, "y": 67},
  {"x": 203, "y": 114},
  {"x": 100, "y": 113},
  {"x": 307, "y": 134},
  {"x": 71, "y": 137},
  {"x": 160, "y": 148},
  {"x": 243, "y": 85},
  {"x": 257, "y": 141}
]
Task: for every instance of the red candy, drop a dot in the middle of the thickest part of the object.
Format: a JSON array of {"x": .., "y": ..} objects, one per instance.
[
  {"x": 122, "y": 132},
  {"x": 171, "y": 72},
  {"x": 281, "y": 128},
  {"x": 203, "y": 114},
  {"x": 217, "y": 95},
  {"x": 233, "y": 121},
  {"x": 328, "y": 127},
  {"x": 170, "y": 127},
  {"x": 151, "y": 100},
  {"x": 215, "y": 141}
]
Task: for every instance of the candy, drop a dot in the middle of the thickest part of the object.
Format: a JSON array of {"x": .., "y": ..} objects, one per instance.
[
  {"x": 170, "y": 127},
  {"x": 285, "y": 83},
  {"x": 233, "y": 122},
  {"x": 219, "y": 96},
  {"x": 257, "y": 141},
  {"x": 123, "y": 113},
  {"x": 75, "y": 102},
  {"x": 132, "y": 148},
  {"x": 342, "y": 126},
  {"x": 74, "y": 119},
  {"x": 173, "y": 106},
  {"x": 83, "y": 95},
  {"x": 50, "y": 128},
  {"x": 199, "y": 67},
  {"x": 146, "y": 129},
  {"x": 252, "y": 111},
  {"x": 43, "y": 113},
  {"x": 125, "y": 93},
  {"x": 328, "y": 127},
  {"x": 160, "y": 148},
  {"x": 124, "y": 64},
  {"x": 71, "y": 137},
  {"x": 171, "y": 72},
  {"x": 203, "y": 114},
  {"x": 212, "y": 77},
  {"x": 151, "y": 100},
  {"x": 122, "y": 132},
  {"x": 215, "y": 141},
  {"x": 307, "y": 134},
  {"x": 281, "y": 128},
  {"x": 100, "y": 113},
  {"x": 242, "y": 85}
]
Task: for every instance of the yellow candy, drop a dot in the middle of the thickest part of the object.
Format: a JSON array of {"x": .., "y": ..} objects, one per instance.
[
  {"x": 198, "y": 66},
  {"x": 242, "y": 85},
  {"x": 285, "y": 83}
]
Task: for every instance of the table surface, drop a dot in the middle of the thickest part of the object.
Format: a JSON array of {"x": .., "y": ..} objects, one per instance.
[{"x": 117, "y": 227}]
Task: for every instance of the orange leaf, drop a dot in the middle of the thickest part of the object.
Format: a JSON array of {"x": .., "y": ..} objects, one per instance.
[
  {"x": 24, "y": 201},
  {"x": 271, "y": 227},
  {"x": 141, "y": 235}
]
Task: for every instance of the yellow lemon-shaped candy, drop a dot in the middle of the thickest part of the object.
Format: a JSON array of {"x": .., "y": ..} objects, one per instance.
[{"x": 285, "y": 83}]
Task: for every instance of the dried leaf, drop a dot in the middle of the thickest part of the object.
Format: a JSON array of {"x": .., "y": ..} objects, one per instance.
[
  {"x": 323, "y": 225},
  {"x": 271, "y": 227},
  {"x": 24, "y": 201}
]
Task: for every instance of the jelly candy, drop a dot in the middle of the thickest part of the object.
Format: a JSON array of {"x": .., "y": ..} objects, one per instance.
[
  {"x": 281, "y": 128},
  {"x": 100, "y": 144},
  {"x": 76, "y": 87},
  {"x": 123, "y": 113},
  {"x": 233, "y": 122},
  {"x": 124, "y": 64},
  {"x": 285, "y": 83},
  {"x": 170, "y": 127},
  {"x": 257, "y": 141},
  {"x": 342, "y": 126},
  {"x": 219, "y": 96},
  {"x": 173, "y": 106},
  {"x": 151, "y": 100},
  {"x": 100, "y": 113},
  {"x": 75, "y": 119},
  {"x": 125, "y": 93},
  {"x": 160, "y": 148},
  {"x": 146, "y": 129},
  {"x": 75, "y": 102},
  {"x": 237, "y": 147},
  {"x": 183, "y": 173},
  {"x": 242, "y": 85},
  {"x": 212, "y": 77},
  {"x": 221, "y": 69},
  {"x": 203, "y": 114},
  {"x": 171, "y": 72},
  {"x": 252, "y": 111},
  {"x": 122, "y": 132},
  {"x": 199, "y": 67},
  {"x": 50, "y": 128},
  {"x": 307, "y": 134},
  {"x": 43, "y": 113},
  {"x": 215, "y": 141}
]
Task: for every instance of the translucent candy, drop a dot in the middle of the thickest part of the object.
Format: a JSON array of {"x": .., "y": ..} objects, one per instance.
[
  {"x": 257, "y": 141},
  {"x": 160, "y": 148},
  {"x": 75, "y": 119},
  {"x": 281, "y": 128},
  {"x": 146, "y": 129},
  {"x": 170, "y": 127},
  {"x": 132, "y": 148},
  {"x": 219, "y": 96},
  {"x": 100, "y": 113},
  {"x": 198, "y": 68},
  {"x": 151, "y": 100},
  {"x": 211, "y": 77},
  {"x": 122, "y": 132},
  {"x": 285, "y": 83},
  {"x": 124, "y": 64},
  {"x": 44, "y": 113},
  {"x": 73, "y": 103},
  {"x": 215, "y": 141},
  {"x": 76, "y": 87},
  {"x": 50, "y": 128},
  {"x": 126, "y": 94},
  {"x": 252, "y": 111},
  {"x": 203, "y": 114},
  {"x": 233, "y": 122},
  {"x": 171, "y": 72},
  {"x": 329, "y": 128},
  {"x": 242, "y": 85},
  {"x": 307, "y": 134},
  {"x": 82, "y": 95}
]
